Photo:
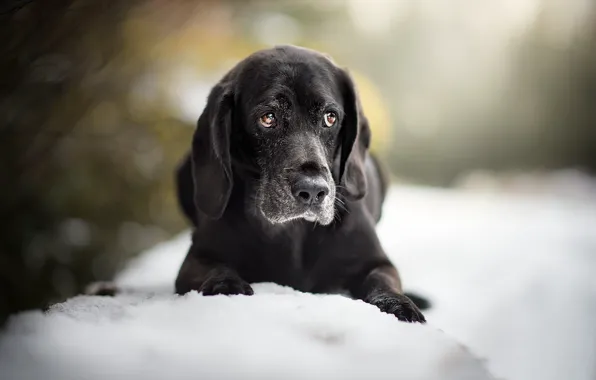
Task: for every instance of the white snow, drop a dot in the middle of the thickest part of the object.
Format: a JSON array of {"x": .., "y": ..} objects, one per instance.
[{"x": 510, "y": 278}]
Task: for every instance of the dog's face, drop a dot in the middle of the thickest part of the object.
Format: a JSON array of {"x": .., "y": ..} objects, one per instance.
[
  {"x": 289, "y": 116},
  {"x": 291, "y": 111}
]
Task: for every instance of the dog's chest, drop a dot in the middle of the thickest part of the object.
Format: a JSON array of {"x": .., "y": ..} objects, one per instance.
[
  {"x": 284, "y": 261},
  {"x": 274, "y": 259}
]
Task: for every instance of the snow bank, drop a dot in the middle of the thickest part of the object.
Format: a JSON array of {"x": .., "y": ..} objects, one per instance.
[{"x": 276, "y": 334}]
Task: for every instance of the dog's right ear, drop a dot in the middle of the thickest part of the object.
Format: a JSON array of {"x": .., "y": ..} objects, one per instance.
[
  {"x": 211, "y": 161},
  {"x": 354, "y": 137}
]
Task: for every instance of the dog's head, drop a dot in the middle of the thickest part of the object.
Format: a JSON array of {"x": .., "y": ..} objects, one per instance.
[{"x": 286, "y": 120}]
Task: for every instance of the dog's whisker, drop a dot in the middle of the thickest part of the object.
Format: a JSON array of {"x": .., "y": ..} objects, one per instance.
[
  {"x": 337, "y": 217},
  {"x": 341, "y": 204}
]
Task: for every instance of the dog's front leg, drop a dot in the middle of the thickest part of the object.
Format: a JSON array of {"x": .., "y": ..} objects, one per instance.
[
  {"x": 209, "y": 278},
  {"x": 381, "y": 287}
]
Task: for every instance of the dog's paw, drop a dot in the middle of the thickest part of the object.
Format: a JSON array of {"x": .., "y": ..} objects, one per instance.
[
  {"x": 399, "y": 305},
  {"x": 226, "y": 286}
]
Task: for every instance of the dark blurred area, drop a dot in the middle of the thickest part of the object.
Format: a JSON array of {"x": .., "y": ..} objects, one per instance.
[{"x": 99, "y": 100}]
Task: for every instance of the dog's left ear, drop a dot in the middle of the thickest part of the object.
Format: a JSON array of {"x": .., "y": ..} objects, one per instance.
[
  {"x": 210, "y": 155},
  {"x": 354, "y": 140}
]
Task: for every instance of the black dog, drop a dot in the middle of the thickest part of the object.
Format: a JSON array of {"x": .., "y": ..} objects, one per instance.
[{"x": 281, "y": 188}]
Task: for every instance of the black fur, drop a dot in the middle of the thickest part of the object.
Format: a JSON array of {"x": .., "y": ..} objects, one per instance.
[{"x": 240, "y": 186}]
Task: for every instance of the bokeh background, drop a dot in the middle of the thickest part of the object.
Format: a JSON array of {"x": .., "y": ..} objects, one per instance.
[{"x": 99, "y": 99}]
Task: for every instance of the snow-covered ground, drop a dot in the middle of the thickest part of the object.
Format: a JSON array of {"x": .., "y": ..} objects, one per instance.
[{"x": 510, "y": 277}]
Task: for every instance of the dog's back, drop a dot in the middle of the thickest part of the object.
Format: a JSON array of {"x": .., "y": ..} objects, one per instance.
[{"x": 185, "y": 189}]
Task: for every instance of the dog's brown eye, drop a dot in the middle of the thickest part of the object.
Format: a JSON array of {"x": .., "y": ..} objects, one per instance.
[
  {"x": 268, "y": 120},
  {"x": 330, "y": 119}
]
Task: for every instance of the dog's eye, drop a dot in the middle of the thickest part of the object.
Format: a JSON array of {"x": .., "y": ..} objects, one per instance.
[
  {"x": 267, "y": 120},
  {"x": 330, "y": 119}
]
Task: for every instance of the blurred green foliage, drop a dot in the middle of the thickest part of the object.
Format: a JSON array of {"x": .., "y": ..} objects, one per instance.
[{"x": 86, "y": 181}]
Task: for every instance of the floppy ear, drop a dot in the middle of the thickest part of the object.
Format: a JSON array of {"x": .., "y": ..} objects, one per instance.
[
  {"x": 211, "y": 162},
  {"x": 354, "y": 140}
]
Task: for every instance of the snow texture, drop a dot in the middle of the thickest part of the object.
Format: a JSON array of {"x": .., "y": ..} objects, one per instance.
[{"x": 510, "y": 278}]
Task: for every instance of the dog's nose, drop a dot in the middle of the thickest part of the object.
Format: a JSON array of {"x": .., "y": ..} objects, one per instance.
[{"x": 310, "y": 190}]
